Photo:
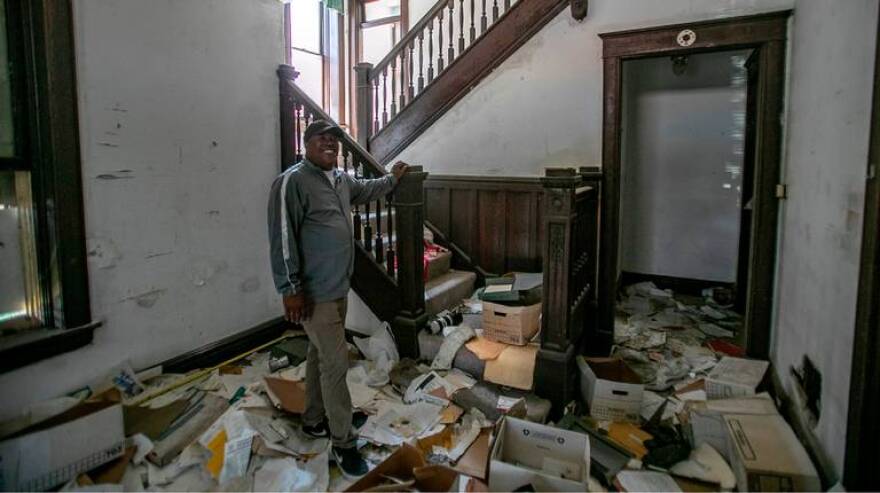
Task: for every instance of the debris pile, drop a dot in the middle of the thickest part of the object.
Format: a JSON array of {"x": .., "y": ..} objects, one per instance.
[{"x": 659, "y": 414}]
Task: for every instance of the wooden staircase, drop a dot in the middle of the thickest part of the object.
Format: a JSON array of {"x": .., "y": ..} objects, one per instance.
[{"x": 435, "y": 64}]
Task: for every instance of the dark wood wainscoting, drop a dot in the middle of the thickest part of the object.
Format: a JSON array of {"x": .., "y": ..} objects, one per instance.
[{"x": 496, "y": 222}]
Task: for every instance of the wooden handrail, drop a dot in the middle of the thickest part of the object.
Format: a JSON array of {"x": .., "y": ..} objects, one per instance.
[
  {"x": 348, "y": 140},
  {"x": 408, "y": 38}
]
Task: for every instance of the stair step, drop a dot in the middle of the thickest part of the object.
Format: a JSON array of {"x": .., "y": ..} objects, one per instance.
[
  {"x": 447, "y": 290},
  {"x": 439, "y": 265}
]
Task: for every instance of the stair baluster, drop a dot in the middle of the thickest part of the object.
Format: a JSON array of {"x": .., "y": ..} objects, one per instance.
[
  {"x": 460, "y": 26},
  {"x": 379, "y": 250},
  {"x": 431, "y": 51},
  {"x": 483, "y": 21},
  {"x": 473, "y": 31},
  {"x": 385, "y": 97},
  {"x": 393, "y": 87},
  {"x": 451, "y": 55},
  {"x": 375, "y": 106},
  {"x": 356, "y": 220},
  {"x": 368, "y": 229},
  {"x": 506, "y": 5},
  {"x": 494, "y": 11},
  {"x": 403, "y": 78},
  {"x": 440, "y": 42},
  {"x": 421, "y": 62},
  {"x": 411, "y": 93},
  {"x": 390, "y": 265},
  {"x": 298, "y": 154}
]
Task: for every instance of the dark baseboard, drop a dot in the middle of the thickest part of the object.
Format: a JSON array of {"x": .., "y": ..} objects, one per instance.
[
  {"x": 228, "y": 347},
  {"x": 680, "y": 285}
]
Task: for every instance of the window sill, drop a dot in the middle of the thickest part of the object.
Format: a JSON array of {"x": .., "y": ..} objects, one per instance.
[{"x": 30, "y": 346}]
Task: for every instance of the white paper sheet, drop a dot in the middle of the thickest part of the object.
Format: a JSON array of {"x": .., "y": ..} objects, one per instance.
[
  {"x": 361, "y": 393},
  {"x": 647, "y": 481},
  {"x": 237, "y": 456},
  {"x": 284, "y": 474},
  {"x": 394, "y": 423}
]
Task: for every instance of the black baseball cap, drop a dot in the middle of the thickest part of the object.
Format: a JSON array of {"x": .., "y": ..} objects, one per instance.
[{"x": 319, "y": 127}]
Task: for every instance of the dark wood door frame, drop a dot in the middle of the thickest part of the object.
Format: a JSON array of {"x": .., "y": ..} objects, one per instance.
[
  {"x": 765, "y": 33},
  {"x": 863, "y": 430}
]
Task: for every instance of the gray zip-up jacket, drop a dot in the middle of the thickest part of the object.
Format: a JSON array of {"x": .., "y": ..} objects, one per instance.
[{"x": 310, "y": 231}]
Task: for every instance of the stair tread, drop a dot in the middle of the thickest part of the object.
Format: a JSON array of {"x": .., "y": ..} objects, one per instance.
[{"x": 447, "y": 290}]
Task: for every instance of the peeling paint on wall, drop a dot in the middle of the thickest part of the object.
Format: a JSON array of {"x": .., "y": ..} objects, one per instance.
[
  {"x": 148, "y": 299},
  {"x": 250, "y": 285},
  {"x": 102, "y": 252},
  {"x": 204, "y": 270}
]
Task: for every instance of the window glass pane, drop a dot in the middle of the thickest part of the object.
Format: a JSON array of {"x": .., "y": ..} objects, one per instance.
[
  {"x": 378, "y": 41},
  {"x": 305, "y": 25},
  {"x": 7, "y": 136},
  {"x": 381, "y": 8},
  {"x": 19, "y": 288},
  {"x": 311, "y": 74},
  {"x": 332, "y": 56}
]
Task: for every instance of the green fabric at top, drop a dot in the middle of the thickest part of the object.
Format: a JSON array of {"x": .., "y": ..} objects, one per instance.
[{"x": 336, "y": 5}]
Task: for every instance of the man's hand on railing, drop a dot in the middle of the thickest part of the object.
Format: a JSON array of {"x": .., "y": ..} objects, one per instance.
[{"x": 399, "y": 169}]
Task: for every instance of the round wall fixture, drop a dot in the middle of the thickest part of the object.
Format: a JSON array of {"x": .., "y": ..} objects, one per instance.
[{"x": 686, "y": 37}]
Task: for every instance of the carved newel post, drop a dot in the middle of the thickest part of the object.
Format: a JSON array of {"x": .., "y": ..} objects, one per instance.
[
  {"x": 409, "y": 220},
  {"x": 555, "y": 372}
]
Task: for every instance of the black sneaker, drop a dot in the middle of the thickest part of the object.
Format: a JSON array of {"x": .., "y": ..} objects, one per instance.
[
  {"x": 318, "y": 431},
  {"x": 350, "y": 462},
  {"x": 322, "y": 429},
  {"x": 358, "y": 419}
]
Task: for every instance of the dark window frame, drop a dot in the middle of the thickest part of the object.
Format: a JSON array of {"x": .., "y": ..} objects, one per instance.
[{"x": 43, "y": 69}]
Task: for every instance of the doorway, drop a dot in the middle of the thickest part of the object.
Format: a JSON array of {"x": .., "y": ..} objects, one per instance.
[{"x": 640, "y": 238}]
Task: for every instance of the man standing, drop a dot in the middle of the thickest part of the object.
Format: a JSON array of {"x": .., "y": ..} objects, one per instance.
[{"x": 312, "y": 252}]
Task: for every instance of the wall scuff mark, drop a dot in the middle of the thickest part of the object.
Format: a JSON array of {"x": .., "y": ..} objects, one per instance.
[
  {"x": 103, "y": 252},
  {"x": 250, "y": 285}
]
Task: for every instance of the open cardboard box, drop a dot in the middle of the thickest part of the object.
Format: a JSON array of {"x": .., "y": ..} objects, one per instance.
[
  {"x": 613, "y": 391},
  {"x": 408, "y": 463},
  {"x": 55, "y": 451},
  {"x": 547, "y": 458}
]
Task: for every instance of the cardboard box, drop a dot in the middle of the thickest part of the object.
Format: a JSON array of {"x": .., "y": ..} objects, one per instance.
[
  {"x": 735, "y": 377},
  {"x": 407, "y": 463},
  {"x": 57, "y": 450},
  {"x": 612, "y": 390},
  {"x": 703, "y": 421},
  {"x": 510, "y": 324},
  {"x": 767, "y": 456},
  {"x": 547, "y": 458}
]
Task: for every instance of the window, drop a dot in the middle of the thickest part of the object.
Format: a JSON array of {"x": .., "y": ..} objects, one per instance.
[
  {"x": 380, "y": 28},
  {"x": 44, "y": 295},
  {"x": 315, "y": 51}
]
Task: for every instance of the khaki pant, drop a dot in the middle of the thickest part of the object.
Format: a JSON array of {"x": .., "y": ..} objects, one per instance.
[{"x": 326, "y": 366}]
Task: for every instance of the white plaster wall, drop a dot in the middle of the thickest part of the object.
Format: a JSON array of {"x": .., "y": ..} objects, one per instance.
[
  {"x": 833, "y": 45},
  {"x": 179, "y": 131},
  {"x": 682, "y": 165},
  {"x": 418, "y": 9},
  {"x": 543, "y": 106}
]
